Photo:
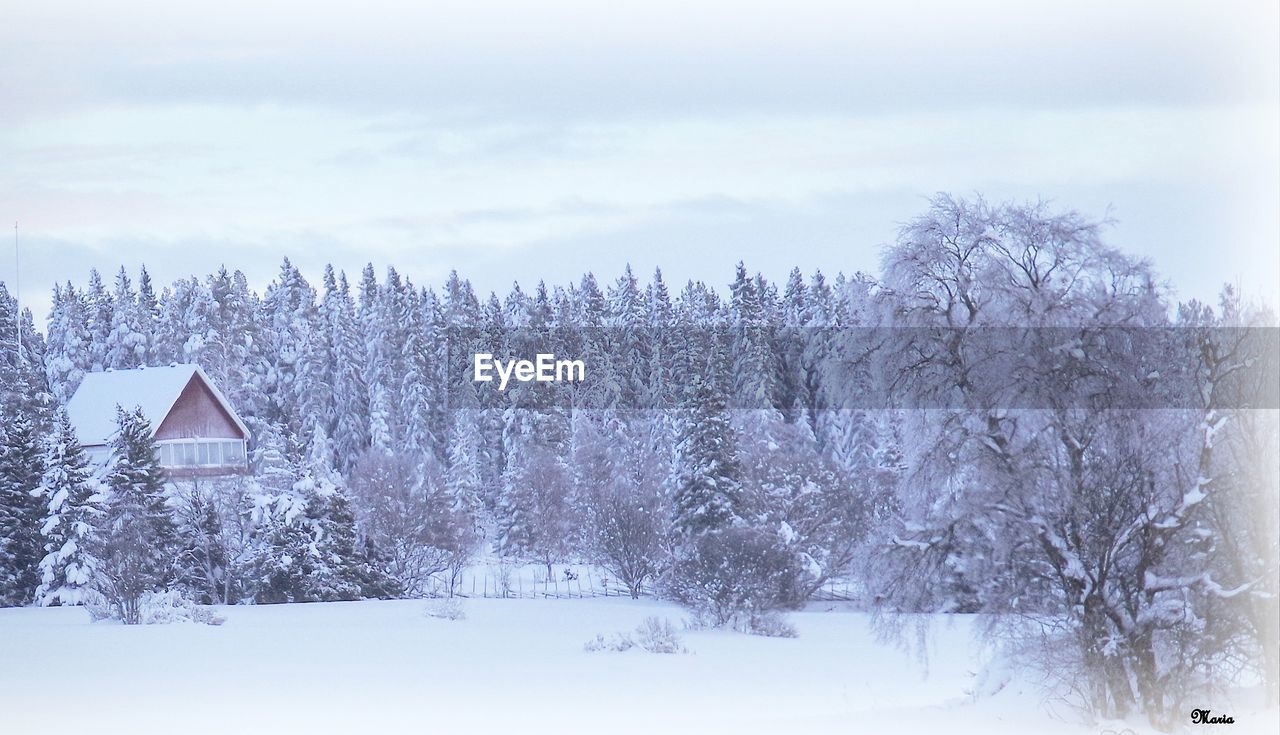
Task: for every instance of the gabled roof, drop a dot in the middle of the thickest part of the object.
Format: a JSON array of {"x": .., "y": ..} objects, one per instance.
[{"x": 155, "y": 389}]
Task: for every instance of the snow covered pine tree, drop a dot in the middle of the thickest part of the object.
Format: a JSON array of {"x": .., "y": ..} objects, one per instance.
[
  {"x": 135, "y": 540},
  {"x": 71, "y": 503}
]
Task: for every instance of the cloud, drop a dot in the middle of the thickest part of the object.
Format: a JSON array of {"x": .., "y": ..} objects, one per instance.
[
  {"x": 520, "y": 141},
  {"x": 586, "y": 60}
]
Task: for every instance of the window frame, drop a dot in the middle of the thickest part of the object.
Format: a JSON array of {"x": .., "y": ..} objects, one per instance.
[{"x": 173, "y": 453}]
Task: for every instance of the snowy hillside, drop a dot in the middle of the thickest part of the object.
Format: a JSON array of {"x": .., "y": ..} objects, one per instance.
[{"x": 509, "y": 666}]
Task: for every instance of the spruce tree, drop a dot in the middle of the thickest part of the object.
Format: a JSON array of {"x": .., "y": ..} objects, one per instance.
[
  {"x": 462, "y": 478},
  {"x": 707, "y": 491},
  {"x": 67, "y": 352},
  {"x": 136, "y": 537},
  {"x": 148, "y": 316},
  {"x": 424, "y": 434},
  {"x": 755, "y": 366},
  {"x": 68, "y": 492},
  {"x": 462, "y": 324},
  {"x": 632, "y": 350},
  {"x": 290, "y": 305},
  {"x": 535, "y": 516},
  {"x": 23, "y": 414},
  {"x": 21, "y": 467},
  {"x": 101, "y": 309},
  {"x": 127, "y": 341},
  {"x": 351, "y": 395},
  {"x": 178, "y": 322},
  {"x": 285, "y": 564},
  {"x": 240, "y": 324},
  {"x": 663, "y": 380},
  {"x": 313, "y": 556},
  {"x": 310, "y": 550},
  {"x": 386, "y": 321},
  {"x": 346, "y": 571}
]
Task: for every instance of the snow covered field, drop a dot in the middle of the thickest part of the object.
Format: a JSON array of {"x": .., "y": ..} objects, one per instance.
[{"x": 509, "y": 666}]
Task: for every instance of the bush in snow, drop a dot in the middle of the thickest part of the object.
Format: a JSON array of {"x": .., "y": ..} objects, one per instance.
[
  {"x": 770, "y": 625},
  {"x": 447, "y": 609},
  {"x": 655, "y": 635},
  {"x": 616, "y": 642},
  {"x": 154, "y": 608},
  {"x": 658, "y": 635},
  {"x": 505, "y": 576},
  {"x": 733, "y": 575}
]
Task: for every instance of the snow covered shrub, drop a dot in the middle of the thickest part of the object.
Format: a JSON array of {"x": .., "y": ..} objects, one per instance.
[
  {"x": 173, "y": 607},
  {"x": 448, "y": 609},
  {"x": 658, "y": 635},
  {"x": 96, "y": 605},
  {"x": 655, "y": 635},
  {"x": 616, "y": 642},
  {"x": 505, "y": 577},
  {"x": 729, "y": 576},
  {"x": 770, "y": 625},
  {"x": 155, "y": 608}
]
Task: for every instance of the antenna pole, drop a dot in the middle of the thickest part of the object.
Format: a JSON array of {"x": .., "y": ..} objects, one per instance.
[{"x": 17, "y": 295}]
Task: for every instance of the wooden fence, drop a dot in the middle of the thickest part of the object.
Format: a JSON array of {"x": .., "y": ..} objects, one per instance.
[{"x": 491, "y": 583}]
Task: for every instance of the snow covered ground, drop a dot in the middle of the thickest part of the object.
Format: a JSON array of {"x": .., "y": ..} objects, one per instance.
[{"x": 509, "y": 666}]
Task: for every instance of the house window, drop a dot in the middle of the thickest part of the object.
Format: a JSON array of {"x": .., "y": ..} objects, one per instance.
[
  {"x": 202, "y": 453},
  {"x": 233, "y": 453}
]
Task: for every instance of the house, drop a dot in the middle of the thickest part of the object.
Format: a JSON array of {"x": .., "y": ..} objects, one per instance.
[{"x": 196, "y": 428}]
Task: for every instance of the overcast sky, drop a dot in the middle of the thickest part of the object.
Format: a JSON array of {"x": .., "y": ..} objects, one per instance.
[{"x": 518, "y": 143}]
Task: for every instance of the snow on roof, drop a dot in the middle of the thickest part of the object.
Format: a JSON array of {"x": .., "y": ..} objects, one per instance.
[{"x": 154, "y": 389}]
